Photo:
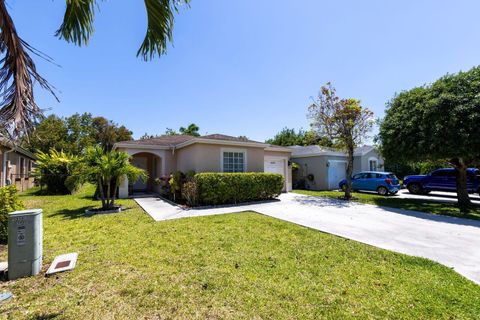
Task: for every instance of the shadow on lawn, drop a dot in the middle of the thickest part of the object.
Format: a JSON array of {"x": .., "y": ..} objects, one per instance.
[
  {"x": 46, "y": 316},
  {"x": 73, "y": 213}
]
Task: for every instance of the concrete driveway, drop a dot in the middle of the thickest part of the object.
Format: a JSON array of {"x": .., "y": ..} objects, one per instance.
[
  {"x": 436, "y": 196},
  {"x": 453, "y": 242}
]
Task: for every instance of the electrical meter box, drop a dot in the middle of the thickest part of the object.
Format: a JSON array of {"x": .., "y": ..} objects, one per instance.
[{"x": 25, "y": 236}]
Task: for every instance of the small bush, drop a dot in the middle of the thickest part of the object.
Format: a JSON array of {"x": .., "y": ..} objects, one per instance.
[
  {"x": 190, "y": 193},
  {"x": 55, "y": 171},
  {"x": 231, "y": 188},
  {"x": 9, "y": 202},
  {"x": 176, "y": 181}
]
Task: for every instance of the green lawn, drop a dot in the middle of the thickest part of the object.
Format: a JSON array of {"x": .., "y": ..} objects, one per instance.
[
  {"x": 447, "y": 209},
  {"x": 231, "y": 266}
]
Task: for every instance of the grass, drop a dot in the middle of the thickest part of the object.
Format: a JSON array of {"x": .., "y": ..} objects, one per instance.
[
  {"x": 230, "y": 266},
  {"x": 441, "y": 208}
]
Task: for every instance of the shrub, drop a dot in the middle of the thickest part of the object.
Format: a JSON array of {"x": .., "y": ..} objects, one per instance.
[
  {"x": 54, "y": 170},
  {"x": 190, "y": 193},
  {"x": 231, "y": 188},
  {"x": 176, "y": 180},
  {"x": 9, "y": 202}
]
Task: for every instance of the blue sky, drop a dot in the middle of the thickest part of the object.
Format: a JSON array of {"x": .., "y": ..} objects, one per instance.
[{"x": 249, "y": 67}]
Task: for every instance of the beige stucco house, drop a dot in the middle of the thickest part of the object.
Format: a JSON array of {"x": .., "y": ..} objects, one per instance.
[
  {"x": 211, "y": 153},
  {"x": 323, "y": 168},
  {"x": 16, "y": 166}
]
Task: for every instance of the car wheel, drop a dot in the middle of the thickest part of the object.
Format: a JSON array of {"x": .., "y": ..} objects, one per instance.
[
  {"x": 344, "y": 187},
  {"x": 382, "y": 191},
  {"x": 414, "y": 188}
]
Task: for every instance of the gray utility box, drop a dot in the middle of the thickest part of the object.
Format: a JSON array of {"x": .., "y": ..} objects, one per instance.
[{"x": 25, "y": 233}]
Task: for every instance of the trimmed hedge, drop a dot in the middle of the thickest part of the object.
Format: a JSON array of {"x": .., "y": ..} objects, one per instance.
[
  {"x": 230, "y": 188},
  {"x": 9, "y": 202}
]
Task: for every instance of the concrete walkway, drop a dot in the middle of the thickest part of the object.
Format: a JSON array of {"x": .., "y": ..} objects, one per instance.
[{"x": 451, "y": 241}]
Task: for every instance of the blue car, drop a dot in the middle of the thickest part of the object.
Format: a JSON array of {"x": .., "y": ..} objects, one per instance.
[
  {"x": 383, "y": 183},
  {"x": 441, "y": 180}
]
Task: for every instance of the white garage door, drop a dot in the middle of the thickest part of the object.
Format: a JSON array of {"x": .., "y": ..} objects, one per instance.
[
  {"x": 275, "y": 166},
  {"x": 336, "y": 173}
]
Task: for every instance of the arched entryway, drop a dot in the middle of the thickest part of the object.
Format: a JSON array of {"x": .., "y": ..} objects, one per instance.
[{"x": 152, "y": 164}]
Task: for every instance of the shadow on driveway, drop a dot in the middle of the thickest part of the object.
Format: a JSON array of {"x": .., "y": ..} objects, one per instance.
[{"x": 382, "y": 203}]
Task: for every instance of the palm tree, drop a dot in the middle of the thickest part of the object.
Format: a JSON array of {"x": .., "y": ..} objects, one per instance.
[
  {"x": 191, "y": 130},
  {"x": 19, "y": 112},
  {"x": 107, "y": 169}
]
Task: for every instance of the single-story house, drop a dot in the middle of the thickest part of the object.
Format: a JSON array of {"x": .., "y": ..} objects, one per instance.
[
  {"x": 322, "y": 168},
  {"x": 17, "y": 164},
  {"x": 210, "y": 153}
]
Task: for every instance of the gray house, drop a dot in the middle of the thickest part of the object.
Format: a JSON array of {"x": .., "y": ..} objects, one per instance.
[{"x": 323, "y": 168}]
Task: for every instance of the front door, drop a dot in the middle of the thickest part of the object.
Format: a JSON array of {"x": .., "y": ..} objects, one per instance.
[{"x": 142, "y": 163}]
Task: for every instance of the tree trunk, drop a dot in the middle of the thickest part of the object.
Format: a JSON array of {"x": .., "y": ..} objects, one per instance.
[
  {"x": 348, "y": 189},
  {"x": 102, "y": 193},
  {"x": 108, "y": 195},
  {"x": 114, "y": 195},
  {"x": 462, "y": 193}
]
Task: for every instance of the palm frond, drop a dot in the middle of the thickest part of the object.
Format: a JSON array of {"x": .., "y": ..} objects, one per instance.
[
  {"x": 18, "y": 111},
  {"x": 77, "y": 26},
  {"x": 160, "y": 16}
]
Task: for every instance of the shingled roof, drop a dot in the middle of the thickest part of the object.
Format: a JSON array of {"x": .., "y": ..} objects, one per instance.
[
  {"x": 224, "y": 137},
  {"x": 166, "y": 141},
  {"x": 174, "y": 140}
]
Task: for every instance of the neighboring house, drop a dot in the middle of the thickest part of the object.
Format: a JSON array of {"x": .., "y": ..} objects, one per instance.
[
  {"x": 211, "y": 153},
  {"x": 16, "y": 166},
  {"x": 323, "y": 168}
]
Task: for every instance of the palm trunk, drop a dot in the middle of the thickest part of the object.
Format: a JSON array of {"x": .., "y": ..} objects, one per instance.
[
  {"x": 114, "y": 195},
  {"x": 108, "y": 194},
  {"x": 462, "y": 192},
  {"x": 102, "y": 193},
  {"x": 348, "y": 189}
]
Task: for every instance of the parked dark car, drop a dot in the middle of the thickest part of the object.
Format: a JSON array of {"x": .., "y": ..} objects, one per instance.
[
  {"x": 383, "y": 183},
  {"x": 441, "y": 180}
]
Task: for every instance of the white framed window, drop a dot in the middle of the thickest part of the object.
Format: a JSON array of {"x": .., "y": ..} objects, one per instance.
[{"x": 233, "y": 160}]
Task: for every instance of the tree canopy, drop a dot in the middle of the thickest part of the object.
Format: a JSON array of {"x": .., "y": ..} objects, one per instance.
[
  {"x": 290, "y": 137},
  {"x": 76, "y": 133},
  {"x": 345, "y": 121},
  {"x": 436, "y": 122},
  {"x": 191, "y": 130}
]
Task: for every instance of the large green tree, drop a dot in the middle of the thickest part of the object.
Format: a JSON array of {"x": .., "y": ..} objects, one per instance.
[
  {"x": 290, "y": 137},
  {"x": 437, "y": 122},
  {"x": 76, "y": 133},
  {"x": 19, "y": 112},
  {"x": 344, "y": 121}
]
